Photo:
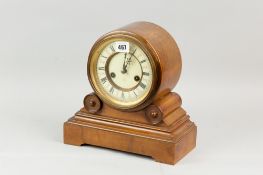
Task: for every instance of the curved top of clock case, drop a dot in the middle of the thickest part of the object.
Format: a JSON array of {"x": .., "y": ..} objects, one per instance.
[{"x": 164, "y": 51}]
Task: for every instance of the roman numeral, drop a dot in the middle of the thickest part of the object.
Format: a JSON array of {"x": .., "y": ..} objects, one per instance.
[
  {"x": 104, "y": 56},
  {"x": 103, "y": 80},
  {"x": 142, "y": 61},
  {"x": 101, "y": 68},
  {"x": 122, "y": 95},
  {"x": 145, "y": 73},
  {"x": 134, "y": 52},
  {"x": 111, "y": 90},
  {"x": 112, "y": 48},
  {"x": 135, "y": 93},
  {"x": 142, "y": 85}
]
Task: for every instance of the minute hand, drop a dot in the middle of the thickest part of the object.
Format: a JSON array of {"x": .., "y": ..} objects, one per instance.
[
  {"x": 129, "y": 59},
  {"x": 123, "y": 65}
]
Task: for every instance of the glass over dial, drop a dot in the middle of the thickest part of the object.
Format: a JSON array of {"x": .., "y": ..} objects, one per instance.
[{"x": 124, "y": 73}]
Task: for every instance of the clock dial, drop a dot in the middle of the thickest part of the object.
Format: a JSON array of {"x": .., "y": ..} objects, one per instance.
[{"x": 125, "y": 77}]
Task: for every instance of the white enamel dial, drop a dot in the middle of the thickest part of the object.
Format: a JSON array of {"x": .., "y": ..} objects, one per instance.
[{"x": 124, "y": 76}]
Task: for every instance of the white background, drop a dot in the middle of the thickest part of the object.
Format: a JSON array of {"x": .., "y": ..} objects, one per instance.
[{"x": 43, "y": 54}]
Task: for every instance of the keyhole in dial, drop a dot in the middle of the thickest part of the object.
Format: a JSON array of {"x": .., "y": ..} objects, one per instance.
[
  {"x": 137, "y": 78},
  {"x": 113, "y": 75}
]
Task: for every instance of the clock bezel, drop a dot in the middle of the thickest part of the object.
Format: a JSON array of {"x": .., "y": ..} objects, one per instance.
[{"x": 150, "y": 53}]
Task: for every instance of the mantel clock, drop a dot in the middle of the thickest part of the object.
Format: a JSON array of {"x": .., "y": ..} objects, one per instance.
[{"x": 132, "y": 71}]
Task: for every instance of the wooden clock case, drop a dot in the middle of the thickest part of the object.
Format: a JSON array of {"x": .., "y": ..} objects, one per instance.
[{"x": 159, "y": 128}]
